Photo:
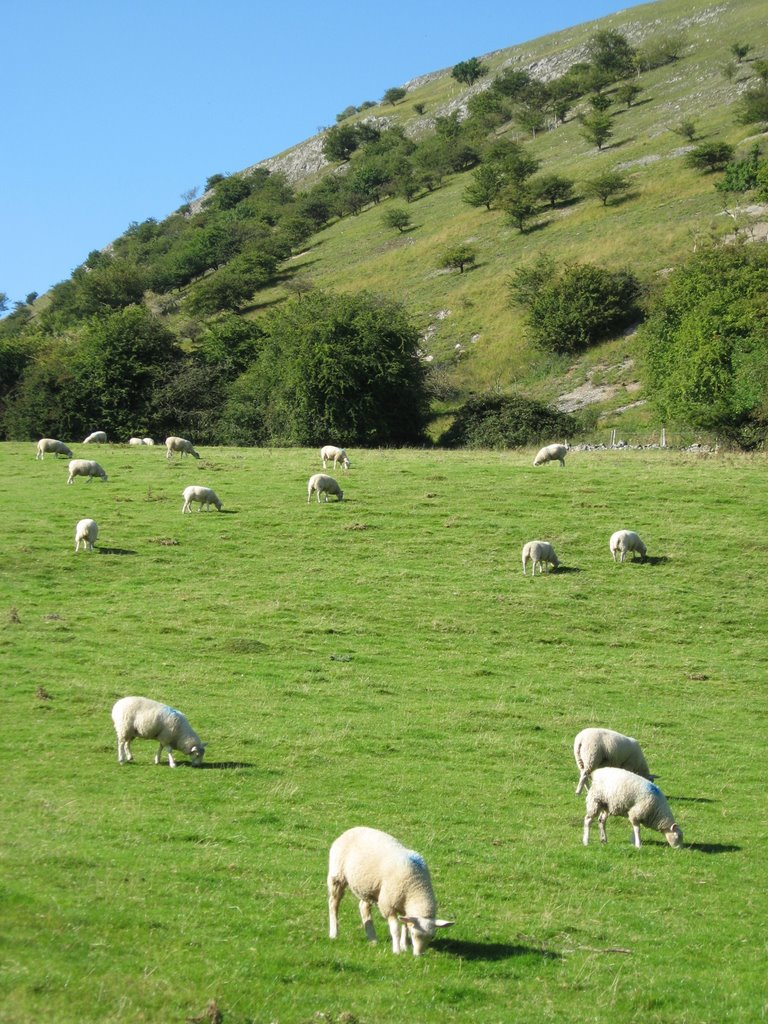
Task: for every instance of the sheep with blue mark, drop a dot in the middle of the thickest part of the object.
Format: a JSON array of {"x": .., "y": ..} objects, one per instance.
[{"x": 615, "y": 791}]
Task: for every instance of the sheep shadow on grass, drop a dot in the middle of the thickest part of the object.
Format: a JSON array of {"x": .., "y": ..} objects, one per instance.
[
  {"x": 490, "y": 950},
  {"x": 561, "y": 570},
  {"x": 115, "y": 551},
  {"x": 712, "y": 847},
  {"x": 655, "y": 560},
  {"x": 225, "y": 765}
]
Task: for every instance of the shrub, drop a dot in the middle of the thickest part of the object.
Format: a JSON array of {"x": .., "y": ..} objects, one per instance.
[{"x": 511, "y": 421}]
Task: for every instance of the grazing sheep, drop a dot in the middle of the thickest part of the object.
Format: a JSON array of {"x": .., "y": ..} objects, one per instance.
[
  {"x": 97, "y": 437},
  {"x": 323, "y": 485},
  {"x": 86, "y": 533},
  {"x": 330, "y": 451},
  {"x": 50, "y": 444},
  {"x": 204, "y": 495},
  {"x": 619, "y": 792},
  {"x": 85, "y": 467},
  {"x": 600, "y": 748},
  {"x": 552, "y": 453},
  {"x": 539, "y": 551},
  {"x": 148, "y": 441},
  {"x": 378, "y": 869},
  {"x": 626, "y": 540},
  {"x": 151, "y": 720},
  {"x": 136, "y": 442},
  {"x": 181, "y": 445}
]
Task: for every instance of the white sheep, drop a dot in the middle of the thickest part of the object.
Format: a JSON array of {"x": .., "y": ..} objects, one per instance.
[
  {"x": 86, "y": 533},
  {"x": 97, "y": 437},
  {"x": 626, "y": 540},
  {"x": 539, "y": 551},
  {"x": 378, "y": 869},
  {"x": 601, "y": 748},
  {"x": 323, "y": 485},
  {"x": 618, "y": 792},
  {"x": 552, "y": 453},
  {"x": 50, "y": 444},
  {"x": 136, "y": 442},
  {"x": 151, "y": 720},
  {"x": 85, "y": 467},
  {"x": 148, "y": 441},
  {"x": 330, "y": 451},
  {"x": 203, "y": 495},
  {"x": 181, "y": 445}
]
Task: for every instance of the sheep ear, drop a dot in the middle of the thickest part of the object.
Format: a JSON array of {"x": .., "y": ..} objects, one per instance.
[
  {"x": 407, "y": 920},
  {"x": 443, "y": 924}
]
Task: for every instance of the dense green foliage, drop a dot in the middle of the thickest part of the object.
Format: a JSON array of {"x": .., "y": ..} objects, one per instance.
[
  {"x": 574, "y": 305},
  {"x": 506, "y": 421},
  {"x": 707, "y": 344},
  {"x": 381, "y": 661}
]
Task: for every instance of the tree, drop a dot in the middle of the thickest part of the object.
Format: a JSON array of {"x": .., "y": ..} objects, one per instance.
[
  {"x": 752, "y": 108},
  {"x": 458, "y": 257},
  {"x": 742, "y": 175},
  {"x": 740, "y": 50},
  {"x": 394, "y": 95},
  {"x": 606, "y": 185},
  {"x": 419, "y": 107},
  {"x": 574, "y": 305},
  {"x": 334, "y": 366},
  {"x": 706, "y": 357},
  {"x": 484, "y": 187},
  {"x": 686, "y": 129},
  {"x": 628, "y": 93},
  {"x": 610, "y": 52},
  {"x": 505, "y": 421},
  {"x": 597, "y": 128},
  {"x": 710, "y": 156},
  {"x": 396, "y": 217},
  {"x": 340, "y": 142},
  {"x": 600, "y": 102},
  {"x": 468, "y": 71},
  {"x": 660, "y": 50},
  {"x": 3, "y": 302},
  {"x": 553, "y": 188},
  {"x": 518, "y": 202}
]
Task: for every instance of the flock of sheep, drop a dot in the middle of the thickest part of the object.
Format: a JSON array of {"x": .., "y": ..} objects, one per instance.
[{"x": 373, "y": 865}]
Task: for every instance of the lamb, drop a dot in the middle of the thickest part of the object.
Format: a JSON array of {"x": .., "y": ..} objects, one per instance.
[
  {"x": 600, "y": 748},
  {"x": 86, "y": 533},
  {"x": 330, "y": 451},
  {"x": 378, "y": 869},
  {"x": 552, "y": 453},
  {"x": 97, "y": 437},
  {"x": 50, "y": 444},
  {"x": 136, "y": 442},
  {"x": 148, "y": 441},
  {"x": 323, "y": 485},
  {"x": 181, "y": 445},
  {"x": 626, "y": 540},
  {"x": 85, "y": 467},
  {"x": 204, "y": 495},
  {"x": 619, "y": 792},
  {"x": 151, "y": 720},
  {"x": 539, "y": 551}
]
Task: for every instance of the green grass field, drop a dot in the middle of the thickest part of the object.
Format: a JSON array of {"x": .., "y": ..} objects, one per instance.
[{"x": 381, "y": 661}]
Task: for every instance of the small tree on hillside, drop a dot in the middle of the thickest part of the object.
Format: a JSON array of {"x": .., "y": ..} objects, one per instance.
[
  {"x": 710, "y": 156},
  {"x": 740, "y": 50},
  {"x": 485, "y": 186},
  {"x": 752, "y": 108},
  {"x": 605, "y": 186},
  {"x": 396, "y": 217},
  {"x": 468, "y": 71},
  {"x": 552, "y": 188},
  {"x": 628, "y": 93},
  {"x": 600, "y": 102},
  {"x": 394, "y": 95},
  {"x": 597, "y": 128},
  {"x": 518, "y": 202},
  {"x": 686, "y": 129},
  {"x": 458, "y": 257}
]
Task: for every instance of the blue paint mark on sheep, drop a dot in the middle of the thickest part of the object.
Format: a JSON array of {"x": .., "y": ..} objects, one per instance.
[
  {"x": 417, "y": 859},
  {"x": 654, "y": 789}
]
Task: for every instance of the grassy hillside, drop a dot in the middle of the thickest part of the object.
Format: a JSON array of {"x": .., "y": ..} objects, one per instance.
[
  {"x": 381, "y": 661},
  {"x": 473, "y": 334}
]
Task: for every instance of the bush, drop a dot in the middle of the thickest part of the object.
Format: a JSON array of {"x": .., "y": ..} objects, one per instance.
[
  {"x": 496, "y": 421},
  {"x": 575, "y": 305}
]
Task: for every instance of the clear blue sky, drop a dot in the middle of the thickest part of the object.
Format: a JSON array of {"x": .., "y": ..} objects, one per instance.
[{"x": 113, "y": 108}]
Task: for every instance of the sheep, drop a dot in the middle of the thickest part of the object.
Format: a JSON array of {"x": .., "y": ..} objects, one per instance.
[
  {"x": 330, "y": 451},
  {"x": 136, "y": 442},
  {"x": 50, "y": 444},
  {"x": 619, "y": 792},
  {"x": 86, "y": 533},
  {"x": 552, "y": 453},
  {"x": 85, "y": 467},
  {"x": 323, "y": 485},
  {"x": 204, "y": 495},
  {"x": 151, "y": 720},
  {"x": 148, "y": 441},
  {"x": 181, "y": 445},
  {"x": 626, "y": 540},
  {"x": 378, "y": 869},
  {"x": 97, "y": 437},
  {"x": 539, "y": 551},
  {"x": 600, "y": 748}
]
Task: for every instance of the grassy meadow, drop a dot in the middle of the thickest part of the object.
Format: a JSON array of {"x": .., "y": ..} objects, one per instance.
[{"x": 381, "y": 661}]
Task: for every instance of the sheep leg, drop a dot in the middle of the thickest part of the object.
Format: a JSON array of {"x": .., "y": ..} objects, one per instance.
[
  {"x": 635, "y": 833},
  {"x": 582, "y": 781},
  {"x": 394, "y": 930},
  {"x": 365, "y": 914},
  {"x": 601, "y": 825},
  {"x": 587, "y": 823},
  {"x": 336, "y": 889}
]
